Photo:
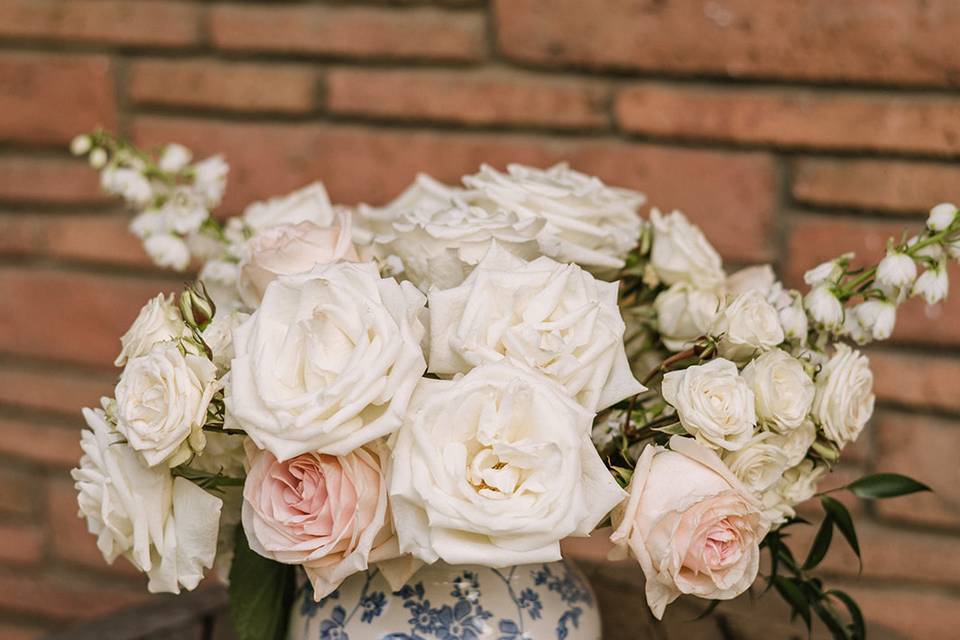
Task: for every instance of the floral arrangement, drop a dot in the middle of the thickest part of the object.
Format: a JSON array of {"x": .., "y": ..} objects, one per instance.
[{"x": 472, "y": 374}]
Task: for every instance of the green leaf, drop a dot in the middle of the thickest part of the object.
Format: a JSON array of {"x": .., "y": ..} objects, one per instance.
[
  {"x": 793, "y": 594},
  {"x": 858, "y": 625},
  {"x": 261, "y": 594},
  {"x": 820, "y": 544},
  {"x": 885, "y": 485},
  {"x": 843, "y": 521}
]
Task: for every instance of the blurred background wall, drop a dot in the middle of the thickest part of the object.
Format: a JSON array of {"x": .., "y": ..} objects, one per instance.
[{"x": 789, "y": 130}]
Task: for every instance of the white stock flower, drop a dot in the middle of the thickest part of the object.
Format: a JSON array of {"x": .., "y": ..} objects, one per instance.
[
  {"x": 167, "y": 250},
  {"x": 747, "y": 325},
  {"x": 167, "y": 527},
  {"x": 684, "y": 313},
  {"x": 896, "y": 270},
  {"x": 328, "y": 361},
  {"x": 714, "y": 403},
  {"x": 824, "y": 307},
  {"x": 587, "y": 222},
  {"x": 844, "y": 399},
  {"x": 798, "y": 484},
  {"x": 495, "y": 468},
  {"x": 760, "y": 463},
  {"x": 440, "y": 246},
  {"x": 130, "y": 184},
  {"x": 681, "y": 253},
  {"x": 933, "y": 284},
  {"x": 308, "y": 204},
  {"x": 552, "y": 317},
  {"x": 175, "y": 158},
  {"x": 942, "y": 216},
  {"x": 876, "y": 317},
  {"x": 827, "y": 272},
  {"x": 158, "y": 321},
  {"x": 782, "y": 389},
  {"x": 162, "y": 400},
  {"x": 210, "y": 180}
]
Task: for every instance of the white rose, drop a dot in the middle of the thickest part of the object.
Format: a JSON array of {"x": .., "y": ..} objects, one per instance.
[
  {"x": 158, "y": 321},
  {"x": 289, "y": 249},
  {"x": 309, "y": 204},
  {"x": 793, "y": 318},
  {"x": 495, "y": 468},
  {"x": 933, "y": 284},
  {"x": 162, "y": 400},
  {"x": 328, "y": 361},
  {"x": 439, "y": 247},
  {"x": 942, "y": 216},
  {"x": 166, "y": 526},
  {"x": 691, "y": 524},
  {"x": 844, "y": 399},
  {"x": 876, "y": 317},
  {"x": 714, "y": 403},
  {"x": 783, "y": 390},
  {"x": 896, "y": 270},
  {"x": 587, "y": 222},
  {"x": 797, "y": 442},
  {"x": 681, "y": 253},
  {"x": 758, "y": 278},
  {"x": 760, "y": 463},
  {"x": 798, "y": 484},
  {"x": 684, "y": 313},
  {"x": 824, "y": 307},
  {"x": 219, "y": 335},
  {"x": 555, "y": 318},
  {"x": 425, "y": 194},
  {"x": 220, "y": 279},
  {"x": 747, "y": 325}
]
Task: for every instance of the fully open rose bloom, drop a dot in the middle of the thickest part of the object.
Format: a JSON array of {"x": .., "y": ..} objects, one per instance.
[
  {"x": 328, "y": 362},
  {"x": 681, "y": 253},
  {"x": 844, "y": 399},
  {"x": 167, "y": 527},
  {"x": 158, "y": 321},
  {"x": 495, "y": 468},
  {"x": 326, "y": 513},
  {"x": 782, "y": 389},
  {"x": 553, "y": 317},
  {"x": 309, "y": 204},
  {"x": 749, "y": 324},
  {"x": 692, "y": 526}
]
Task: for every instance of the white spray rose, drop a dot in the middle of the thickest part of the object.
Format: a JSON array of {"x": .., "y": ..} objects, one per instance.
[
  {"x": 793, "y": 318},
  {"x": 681, "y": 253},
  {"x": 747, "y": 325},
  {"x": 425, "y": 195},
  {"x": 495, "y": 468},
  {"x": 942, "y": 216},
  {"x": 876, "y": 317},
  {"x": 684, "y": 313},
  {"x": 933, "y": 284},
  {"x": 309, "y": 204},
  {"x": 555, "y": 318},
  {"x": 896, "y": 270},
  {"x": 798, "y": 484},
  {"x": 158, "y": 321},
  {"x": 758, "y": 278},
  {"x": 587, "y": 222},
  {"x": 219, "y": 335},
  {"x": 162, "y": 400},
  {"x": 844, "y": 399},
  {"x": 760, "y": 463},
  {"x": 824, "y": 307},
  {"x": 328, "y": 361},
  {"x": 797, "y": 442},
  {"x": 691, "y": 524},
  {"x": 714, "y": 403},
  {"x": 167, "y": 527},
  {"x": 782, "y": 388}
]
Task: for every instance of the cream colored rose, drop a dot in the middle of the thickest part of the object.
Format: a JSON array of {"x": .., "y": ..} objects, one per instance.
[
  {"x": 289, "y": 249},
  {"x": 555, "y": 318},
  {"x": 681, "y": 253},
  {"x": 714, "y": 403},
  {"x": 684, "y": 313},
  {"x": 219, "y": 336},
  {"x": 328, "y": 361},
  {"x": 844, "y": 400},
  {"x": 495, "y": 468},
  {"x": 782, "y": 389},
  {"x": 758, "y": 278},
  {"x": 158, "y": 321},
  {"x": 374, "y": 225},
  {"x": 746, "y": 326},
  {"x": 798, "y": 484},
  {"x": 166, "y": 526},
  {"x": 797, "y": 442},
  {"x": 760, "y": 463},
  {"x": 162, "y": 401},
  {"x": 309, "y": 204},
  {"x": 691, "y": 524}
]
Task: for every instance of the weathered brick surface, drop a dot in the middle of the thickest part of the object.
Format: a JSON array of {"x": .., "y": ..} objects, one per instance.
[
  {"x": 67, "y": 237},
  {"x": 46, "y": 180},
  {"x": 41, "y": 443},
  {"x": 57, "y": 390}
]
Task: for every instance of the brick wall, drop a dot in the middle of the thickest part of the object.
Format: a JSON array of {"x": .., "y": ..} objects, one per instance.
[{"x": 789, "y": 130}]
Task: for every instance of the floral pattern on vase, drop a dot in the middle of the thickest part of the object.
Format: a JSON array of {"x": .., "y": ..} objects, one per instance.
[{"x": 442, "y": 602}]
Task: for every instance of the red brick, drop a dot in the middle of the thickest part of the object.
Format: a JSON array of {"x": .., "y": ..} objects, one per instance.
[
  {"x": 34, "y": 88},
  {"x": 213, "y": 84},
  {"x": 40, "y": 443},
  {"x": 883, "y": 185},
  {"x": 49, "y": 180},
  {"x": 794, "y": 118},
  {"x": 157, "y": 23},
  {"x": 61, "y": 598},
  {"x": 18, "y": 491},
  {"x": 815, "y": 239},
  {"x": 885, "y": 41},
  {"x": 731, "y": 194},
  {"x": 21, "y": 544},
  {"x": 68, "y": 237},
  {"x": 916, "y": 380},
  {"x": 72, "y": 317},
  {"x": 54, "y": 390},
  {"x": 914, "y": 613},
  {"x": 926, "y": 449},
  {"x": 17, "y": 631},
  {"x": 349, "y": 31},
  {"x": 484, "y": 97}
]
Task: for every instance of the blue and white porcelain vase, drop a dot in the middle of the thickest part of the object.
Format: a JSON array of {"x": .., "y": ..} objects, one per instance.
[{"x": 443, "y": 602}]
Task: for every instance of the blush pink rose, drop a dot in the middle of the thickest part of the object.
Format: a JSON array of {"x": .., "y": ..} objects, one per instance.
[
  {"x": 289, "y": 249},
  {"x": 693, "y": 527},
  {"x": 327, "y": 513}
]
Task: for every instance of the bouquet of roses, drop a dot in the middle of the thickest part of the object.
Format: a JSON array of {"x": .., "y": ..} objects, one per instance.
[{"x": 472, "y": 374}]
